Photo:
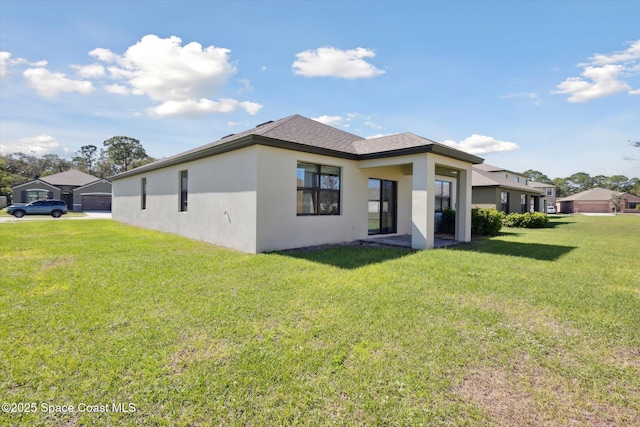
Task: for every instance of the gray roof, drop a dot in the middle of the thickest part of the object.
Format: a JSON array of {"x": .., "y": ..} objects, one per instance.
[
  {"x": 307, "y": 135},
  {"x": 482, "y": 178},
  {"x": 70, "y": 177}
]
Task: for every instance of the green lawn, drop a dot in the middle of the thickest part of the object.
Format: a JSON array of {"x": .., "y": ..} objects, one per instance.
[{"x": 533, "y": 327}]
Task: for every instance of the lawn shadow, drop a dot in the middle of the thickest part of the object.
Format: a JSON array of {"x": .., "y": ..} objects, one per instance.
[
  {"x": 554, "y": 224},
  {"x": 537, "y": 251},
  {"x": 348, "y": 257}
]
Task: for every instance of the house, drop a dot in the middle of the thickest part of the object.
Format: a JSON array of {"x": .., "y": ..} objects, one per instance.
[
  {"x": 549, "y": 191},
  {"x": 79, "y": 190},
  {"x": 296, "y": 182},
  {"x": 505, "y": 190},
  {"x": 598, "y": 200}
]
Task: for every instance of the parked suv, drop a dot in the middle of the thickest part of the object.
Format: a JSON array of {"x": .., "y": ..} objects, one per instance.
[{"x": 55, "y": 208}]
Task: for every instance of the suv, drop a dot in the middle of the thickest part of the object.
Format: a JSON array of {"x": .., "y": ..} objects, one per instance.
[
  {"x": 551, "y": 209},
  {"x": 55, "y": 208}
]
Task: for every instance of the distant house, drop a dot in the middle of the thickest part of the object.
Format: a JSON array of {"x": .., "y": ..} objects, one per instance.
[
  {"x": 597, "y": 200},
  {"x": 296, "y": 182},
  {"x": 506, "y": 191},
  {"x": 79, "y": 190}
]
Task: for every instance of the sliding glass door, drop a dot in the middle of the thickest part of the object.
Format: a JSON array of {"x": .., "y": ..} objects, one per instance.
[{"x": 382, "y": 206}]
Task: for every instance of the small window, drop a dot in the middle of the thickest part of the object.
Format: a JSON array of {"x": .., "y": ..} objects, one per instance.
[
  {"x": 504, "y": 201},
  {"x": 184, "y": 185},
  {"x": 516, "y": 179},
  {"x": 144, "y": 193},
  {"x": 318, "y": 189},
  {"x": 549, "y": 191}
]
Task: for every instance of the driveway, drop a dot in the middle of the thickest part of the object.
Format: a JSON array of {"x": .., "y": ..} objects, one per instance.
[{"x": 88, "y": 215}]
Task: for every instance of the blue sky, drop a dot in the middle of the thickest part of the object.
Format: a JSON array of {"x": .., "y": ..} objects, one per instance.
[{"x": 550, "y": 86}]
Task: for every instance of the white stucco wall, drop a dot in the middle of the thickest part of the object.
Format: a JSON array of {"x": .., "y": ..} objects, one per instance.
[
  {"x": 246, "y": 199},
  {"x": 221, "y": 200}
]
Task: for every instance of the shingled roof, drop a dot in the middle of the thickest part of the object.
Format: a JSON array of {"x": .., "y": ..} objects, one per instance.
[
  {"x": 307, "y": 135},
  {"x": 71, "y": 177},
  {"x": 593, "y": 195},
  {"x": 482, "y": 178}
]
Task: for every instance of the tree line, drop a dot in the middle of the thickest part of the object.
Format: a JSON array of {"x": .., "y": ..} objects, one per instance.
[
  {"x": 582, "y": 181},
  {"x": 118, "y": 154}
]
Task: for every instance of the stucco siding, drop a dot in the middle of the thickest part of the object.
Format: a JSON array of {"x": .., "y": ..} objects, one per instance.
[
  {"x": 221, "y": 206},
  {"x": 279, "y": 226}
]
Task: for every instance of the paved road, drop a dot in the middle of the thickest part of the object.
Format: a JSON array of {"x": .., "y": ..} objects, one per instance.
[{"x": 89, "y": 215}]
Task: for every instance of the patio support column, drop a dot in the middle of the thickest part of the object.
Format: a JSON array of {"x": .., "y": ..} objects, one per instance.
[
  {"x": 423, "y": 203},
  {"x": 463, "y": 206}
]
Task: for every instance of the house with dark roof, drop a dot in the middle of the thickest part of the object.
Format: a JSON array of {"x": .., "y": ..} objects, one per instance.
[
  {"x": 507, "y": 191},
  {"x": 296, "y": 182},
  {"x": 79, "y": 190},
  {"x": 598, "y": 200}
]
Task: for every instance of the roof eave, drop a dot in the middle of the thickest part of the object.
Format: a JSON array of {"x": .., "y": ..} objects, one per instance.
[{"x": 432, "y": 148}]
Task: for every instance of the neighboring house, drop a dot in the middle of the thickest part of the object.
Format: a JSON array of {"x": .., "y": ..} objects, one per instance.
[
  {"x": 597, "y": 200},
  {"x": 296, "y": 182},
  {"x": 505, "y": 190},
  {"x": 549, "y": 191},
  {"x": 79, "y": 190}
]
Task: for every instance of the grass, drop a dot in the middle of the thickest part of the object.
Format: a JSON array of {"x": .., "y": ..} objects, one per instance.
[{"x": 533, "y": 327}]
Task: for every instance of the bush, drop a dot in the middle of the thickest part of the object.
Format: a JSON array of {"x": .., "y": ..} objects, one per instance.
[
  {"x": 486, "y": 222},
  {"x": 526, "y": 220},
  {"x": 448, "y": 222}
]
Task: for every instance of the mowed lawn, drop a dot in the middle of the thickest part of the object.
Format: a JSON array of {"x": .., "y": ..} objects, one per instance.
[{"x": 137, "y": 327}]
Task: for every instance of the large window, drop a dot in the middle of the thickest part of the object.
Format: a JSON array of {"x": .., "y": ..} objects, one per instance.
[
  {"x": 36, "y": 194},
  {"x": 144, "y": 193},
  {"x": 443, "y": 195},
  {"x": 523, "y": 203},
  {"x": 184, "y": 185},
  {"x": 318, "y": 189}
]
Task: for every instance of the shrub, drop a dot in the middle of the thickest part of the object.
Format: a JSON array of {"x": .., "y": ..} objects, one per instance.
[
  {"x": 448, "y": 222},
  {"x": 526, "y": 220},
  {"x": 486, "y": 222}
]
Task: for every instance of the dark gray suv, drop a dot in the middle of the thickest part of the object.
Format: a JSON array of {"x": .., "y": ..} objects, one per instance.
[{"x": 55, "y": 208}]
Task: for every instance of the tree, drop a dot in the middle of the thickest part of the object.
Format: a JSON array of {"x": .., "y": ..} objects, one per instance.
[
  {"x": 579, "y": 182},
  {"x": 537, "y": 176},
  {"x": 618, "y": 183},
  {"x": 617, "y": 203},
  {"x": 86, "y": 158},
  {"x": 125, "y": 153},
  {"x": 563, "y": 189},
  {"x": 633, "y": 144}
]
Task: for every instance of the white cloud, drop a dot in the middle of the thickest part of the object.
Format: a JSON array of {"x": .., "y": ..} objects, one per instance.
[
  {"x": 50, "y": 84},
  {"x": 328, "y": 120},
  {"x": 202, "y": 106},
  {"x": 603, "y": 75},
  {"x": 36, "y": 145},
  {"x": 117, "y": 89},
  {"x": 332, "y": 62},
  {"x": 531, "y": 96},
  {"x": 4, "y": 62},
  {"x": 481, "y": 144},
  {"x": 181, "y": 78},
  {"x": 89, "y": 71},
  {"x": 372, "y": 125}
]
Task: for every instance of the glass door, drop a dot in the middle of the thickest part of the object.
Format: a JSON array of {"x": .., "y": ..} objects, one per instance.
[{"x": 382, "y": 206}]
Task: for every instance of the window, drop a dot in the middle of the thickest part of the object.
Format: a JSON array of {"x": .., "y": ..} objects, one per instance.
[
  {"x": 443, "y": 195},
  {"x": 523, "y": 203},
  {"x": 318, "y": 189},
  {"x": 516, "y": 179},
  {"x": 504, "y": 200},
  {"x": 549, "y": 191},
  {"x": 33, "y": 195},
  {"x": 184, "y": 184},
  {"x": 633, "y": 205},
  {"x": 144, "y": 193}
]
